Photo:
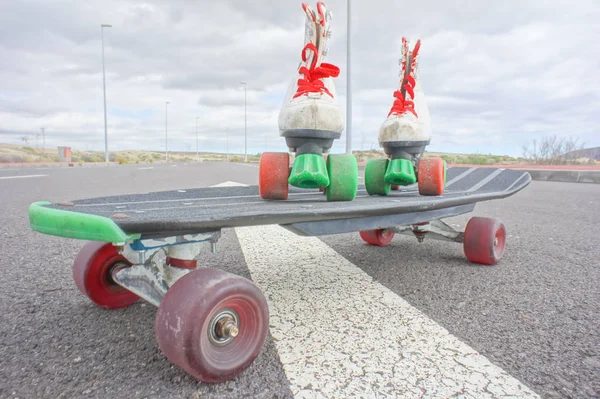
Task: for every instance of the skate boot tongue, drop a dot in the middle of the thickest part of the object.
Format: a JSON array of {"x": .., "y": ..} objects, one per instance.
[
  {"x": 310, "y": 30},
  {"x": 400, "y": 172},
  {"x": 309, "y": 171}
]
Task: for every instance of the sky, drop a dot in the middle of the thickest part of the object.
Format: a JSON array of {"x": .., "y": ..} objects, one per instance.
[{"x": 496, "y": 75}]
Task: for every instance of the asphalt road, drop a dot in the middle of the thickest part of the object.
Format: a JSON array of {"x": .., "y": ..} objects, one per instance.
[{"x": 535, "y": 315}]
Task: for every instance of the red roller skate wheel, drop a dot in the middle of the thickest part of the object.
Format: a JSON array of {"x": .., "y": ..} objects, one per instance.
[
  {"x": 273, "y": 174},
  {"x": 431, "y": 176}
]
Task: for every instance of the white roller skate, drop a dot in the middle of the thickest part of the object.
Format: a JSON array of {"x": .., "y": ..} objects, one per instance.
[
  {"x": 404, "y": 135},
  {"x": 310, "y": 107},
  {"x": 310, "y": 120}
]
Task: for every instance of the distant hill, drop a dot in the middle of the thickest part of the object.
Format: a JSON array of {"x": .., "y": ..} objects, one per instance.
[{"x": 591, "y": 153}]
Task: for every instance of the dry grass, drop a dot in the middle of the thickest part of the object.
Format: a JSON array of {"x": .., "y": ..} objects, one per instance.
[{"x": 18, "y": 153}]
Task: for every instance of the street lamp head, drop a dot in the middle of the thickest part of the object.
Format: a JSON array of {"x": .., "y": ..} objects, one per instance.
[
  {"x": 242, "y": 83},
  {"x": 106, "y": 26}
]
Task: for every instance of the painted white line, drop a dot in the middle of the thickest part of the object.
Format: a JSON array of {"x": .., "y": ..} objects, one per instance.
[
  {"x": 252, "y": 165},
  {"x": 21, "y": 177},
  {"x": 341, "y": 334},
  {"x": 230, "y": 183},
  {"x": 147, "y": 168}
]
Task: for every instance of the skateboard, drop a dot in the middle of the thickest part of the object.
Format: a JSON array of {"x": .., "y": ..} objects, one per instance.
[{"x": 211, "y": 323}]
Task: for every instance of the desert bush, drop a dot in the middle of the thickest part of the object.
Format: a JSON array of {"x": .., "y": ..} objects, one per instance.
[
  {"x": 92, "y": 158},
  {"x": 552, "y": 150},
  {"x": 448, "y": 158},
  {"x": 11, "y": 158},
  {"x": 476, "y": 159}
]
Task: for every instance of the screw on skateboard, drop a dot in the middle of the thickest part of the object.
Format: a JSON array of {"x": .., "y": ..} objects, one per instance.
[{"x": 211, "y": 323}]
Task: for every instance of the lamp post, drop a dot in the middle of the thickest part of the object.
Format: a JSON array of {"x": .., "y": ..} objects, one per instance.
[
  {"x": 197, "y": 152},
  {"x": 245, "y": 123},
  {"x": 166, "y": 134},
  {"x": 348, "y": 82},
  {"x": 102, "y": 26}
]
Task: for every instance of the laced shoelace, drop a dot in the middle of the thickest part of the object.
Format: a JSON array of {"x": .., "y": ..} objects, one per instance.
[
  {"x": 312, "y": 81},
  {"x": 402, "y": 104}
]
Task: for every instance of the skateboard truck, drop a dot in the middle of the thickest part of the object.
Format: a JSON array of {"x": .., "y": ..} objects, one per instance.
[
  {"x": 149, "y": 277},
  {"x": 436, "y": 229}
]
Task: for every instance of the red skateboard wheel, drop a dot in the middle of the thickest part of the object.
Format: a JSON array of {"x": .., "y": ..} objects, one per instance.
[
  {"x": 484, "y": 240},
  {"x": 212, "y": 324},
  {"x": 92, "y": 273},
  {"x": 379, "y": 237}
]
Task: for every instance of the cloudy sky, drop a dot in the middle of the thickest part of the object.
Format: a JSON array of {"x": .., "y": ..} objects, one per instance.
[{"x": 496, "y": 74}]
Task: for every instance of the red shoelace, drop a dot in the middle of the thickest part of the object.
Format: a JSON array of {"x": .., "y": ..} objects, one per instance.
[
  {"x": 402, "y": 104},
  {"x": 312, "y": 81}
]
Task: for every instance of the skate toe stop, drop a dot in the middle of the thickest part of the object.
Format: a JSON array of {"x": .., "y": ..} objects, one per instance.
[
  {"x": 400, "y": 172},
  {"x": 309, "y": 171}
]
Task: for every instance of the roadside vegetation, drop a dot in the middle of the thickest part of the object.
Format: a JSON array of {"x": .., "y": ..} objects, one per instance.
[
  {"x": 548, "y": 151},
  {"x": 554, "y": 150}
]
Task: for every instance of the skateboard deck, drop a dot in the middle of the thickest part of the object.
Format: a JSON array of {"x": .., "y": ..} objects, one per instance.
[{"x": 168, "y": 213}]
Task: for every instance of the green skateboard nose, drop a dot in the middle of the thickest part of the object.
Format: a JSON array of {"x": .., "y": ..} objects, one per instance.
[
  {"x": 400, "y": 172},
  {"x": 309, "y": 171}
]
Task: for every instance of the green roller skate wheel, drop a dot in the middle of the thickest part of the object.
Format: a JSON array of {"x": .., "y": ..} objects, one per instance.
[
  {"x": 343, "y": 177},
  {"x": 445, "y": 170},
  {"x": 375, "y": 177}
]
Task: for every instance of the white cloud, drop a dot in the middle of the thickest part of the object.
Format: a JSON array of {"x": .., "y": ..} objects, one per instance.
[{"x": 496, "y": 74}]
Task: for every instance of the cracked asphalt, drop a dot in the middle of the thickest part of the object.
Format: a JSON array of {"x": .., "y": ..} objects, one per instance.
[{"x": 535, "y": 315}]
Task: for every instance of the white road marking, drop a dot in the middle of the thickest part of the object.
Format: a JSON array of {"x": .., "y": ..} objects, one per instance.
[
  {"x": 229, "y": 183},
  {"x": 339, "y": 333},
  {"x": 21, "y": 177},
  {"x": 146, "y": 168},
  {"x": 252, "y": 165}
]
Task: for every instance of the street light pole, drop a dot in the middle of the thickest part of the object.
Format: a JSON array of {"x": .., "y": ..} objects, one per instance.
[
  {"x": 197, "y": 152},
  {"x": 166, "y": 134},
  {"x": 102, "y": 26},
  {"x": 245, "y": 123},
  {"x": 348, "y": 81}
]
